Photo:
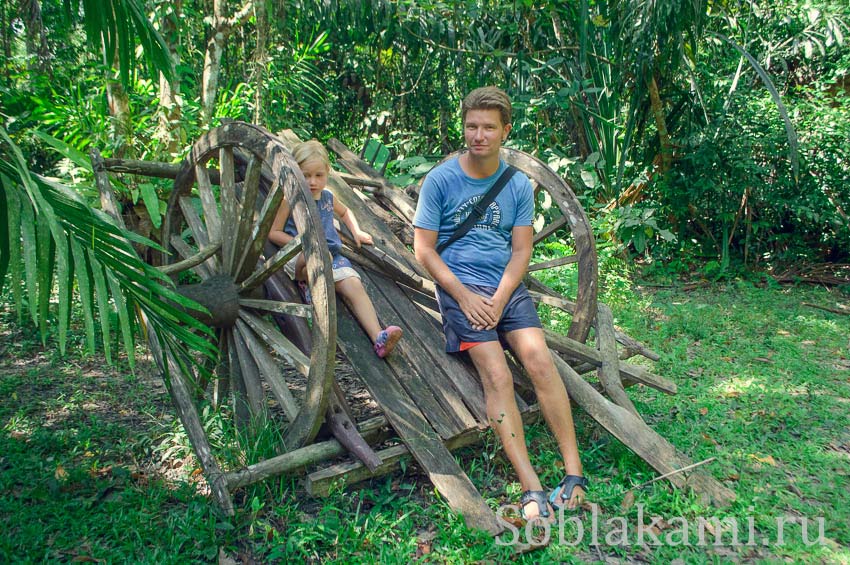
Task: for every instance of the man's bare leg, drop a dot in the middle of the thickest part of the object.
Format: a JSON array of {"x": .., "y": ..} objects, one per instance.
[
  {"x": 529, "y": 345},
  {"x": 503, "y": 413}
]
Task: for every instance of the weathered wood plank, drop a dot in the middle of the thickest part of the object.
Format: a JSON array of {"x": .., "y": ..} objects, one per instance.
[
  {"x": 581, "y": 352},
  {"x": 414, "y": 430},
  {"x": 319, "y": 483},
  {"x": 352, "y": 162},
  {"x": 609, "y": 370},
  {"x": 229, "y": 205},
  {"x": 245, "y": 211},
  {"x": 559, "y": 262},
  {"x": 640, "y": 438},
  {"x": 250, "y": 375},
  {"x": 455, "y": 381},
  {"x": 443, "y": 408},
  {"x": 277, "y": 342},
  {"x": 289, "y": 308},
  {"x": 184, "y": 250},
  {"x": 543, "y": 294},
  {"x": 550, "y": 229},
  {"x": 201, "y": 256}
]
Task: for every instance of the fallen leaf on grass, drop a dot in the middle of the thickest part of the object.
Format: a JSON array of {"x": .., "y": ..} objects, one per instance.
[
  {"x": 768, "y": 459},
  {"x": 763, "y": 360},
  {"x": 808, "y": 342},
  {"x": 60, "y": 474},
  {"x": 710, "y": 439},
  {"x": 628, "y": 500},
  {"x": 703, "y": 411},
  {"x": 783, "y": 332}
]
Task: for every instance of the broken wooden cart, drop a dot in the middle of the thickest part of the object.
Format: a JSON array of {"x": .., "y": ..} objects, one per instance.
[{"x": 219, "y": 214}]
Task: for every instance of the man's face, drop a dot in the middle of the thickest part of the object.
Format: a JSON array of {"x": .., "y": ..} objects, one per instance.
[{"x": 484, "y": 132}]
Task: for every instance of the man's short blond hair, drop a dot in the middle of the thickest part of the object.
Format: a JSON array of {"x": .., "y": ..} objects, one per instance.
[
  {"x": 487, "y": 98},
  {"x": 311, "y": 150}
]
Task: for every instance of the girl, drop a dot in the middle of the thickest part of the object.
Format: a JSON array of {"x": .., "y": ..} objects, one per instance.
[{"x": 313, "y": 159}]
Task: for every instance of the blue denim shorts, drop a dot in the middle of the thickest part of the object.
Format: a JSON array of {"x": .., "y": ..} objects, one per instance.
[{"x": 519, "y": 313}]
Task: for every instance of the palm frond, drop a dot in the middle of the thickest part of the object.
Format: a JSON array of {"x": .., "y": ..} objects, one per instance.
[
  {"x": 790, "y": 131},
  {"x": 55, "y": 237},
  {"x": 115, "y": 27}
]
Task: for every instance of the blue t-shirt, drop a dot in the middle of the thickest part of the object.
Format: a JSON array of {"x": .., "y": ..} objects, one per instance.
[
  {"x": 325, "y": 204},
  {"x": 447, "y": 198}
]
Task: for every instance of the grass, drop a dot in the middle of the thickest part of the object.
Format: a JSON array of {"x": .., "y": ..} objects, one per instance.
[{"x": 94, "y": 467}]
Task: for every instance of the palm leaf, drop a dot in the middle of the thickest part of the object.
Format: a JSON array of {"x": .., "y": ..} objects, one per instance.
[
  {"x": 790, "y": 131},
  {"x": 115, "y": 27},
  {"x": 91, "y": 249}
]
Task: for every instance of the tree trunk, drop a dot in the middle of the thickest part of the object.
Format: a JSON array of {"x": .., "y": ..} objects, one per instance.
[
  {"x": 119, "y": 109},
  {"x": 222, "y": 28},
  {"x": 661, "y": 125},
  {"x": 169, "y": 131},
  {"x": 38, "y": 54},
  {"x": 260, "y": 59},
  {"x": 5, "y": 26}
]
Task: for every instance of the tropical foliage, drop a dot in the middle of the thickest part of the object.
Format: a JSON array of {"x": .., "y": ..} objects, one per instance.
[{"x": 692, "y": 131}]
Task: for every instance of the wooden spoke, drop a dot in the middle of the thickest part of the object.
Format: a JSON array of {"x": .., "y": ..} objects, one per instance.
[
  {"x": 250, "y": 377},
  {"x": 241, "y": 407},
  {"x": 271, "y": 266},
  {"x": 221, "y": 386},
  {"x": 246, "y": 210},
  {"x": 208, "y": 201},
  {"x": 229, "y": 206},
  {"x": 550, "y": 229},
  {"x": 199, "y": 232},
  {"x": 202, "y": 255},
  {"x": 560, "y": 261},
  {"x": 269, "y": 370},
  {"x": 188, "y": 253},
  {"x": 277, "y": 342},
  {"x": 290, "y": 308},
  {"x": 260, "y": 233}
]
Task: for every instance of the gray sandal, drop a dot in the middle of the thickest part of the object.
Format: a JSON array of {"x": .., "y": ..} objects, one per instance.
[
  {"x": 564, "y": 491},
  {"x": 538, "y": 497}
]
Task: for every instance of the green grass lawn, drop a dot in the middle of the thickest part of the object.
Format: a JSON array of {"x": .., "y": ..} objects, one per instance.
[{"x": 94, "y": 467}]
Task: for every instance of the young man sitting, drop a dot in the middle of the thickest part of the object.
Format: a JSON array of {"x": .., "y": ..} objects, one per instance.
[{"x": 482, "y": 300}]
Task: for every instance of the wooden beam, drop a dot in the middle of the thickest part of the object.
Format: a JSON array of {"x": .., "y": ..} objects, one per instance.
[
  {"x": 581, "y": 352},
  {"x": 643, "y": 440}
]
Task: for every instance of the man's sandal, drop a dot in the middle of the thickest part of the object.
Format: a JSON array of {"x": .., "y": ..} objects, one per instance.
[
  {"x": 539, "y": 498},
  {"x": 564, "y": 491}
]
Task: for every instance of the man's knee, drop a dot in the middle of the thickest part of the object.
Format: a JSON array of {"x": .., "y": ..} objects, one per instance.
[{"x": 538, "y": 364}]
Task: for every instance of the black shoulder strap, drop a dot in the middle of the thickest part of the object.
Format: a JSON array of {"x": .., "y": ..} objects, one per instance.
[{"x": 480, "y": 207}]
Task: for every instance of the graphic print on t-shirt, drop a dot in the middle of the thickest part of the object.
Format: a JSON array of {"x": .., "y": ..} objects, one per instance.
[{"x": 490, "y": 221}]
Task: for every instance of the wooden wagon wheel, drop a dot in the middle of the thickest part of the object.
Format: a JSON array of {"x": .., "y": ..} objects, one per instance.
[
  {"x": 219, "y": 232},
  {"x": 572, "y": 218}
]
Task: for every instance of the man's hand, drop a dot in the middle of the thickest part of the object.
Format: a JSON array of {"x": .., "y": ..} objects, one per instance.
[{"x": 478, "y": 310}]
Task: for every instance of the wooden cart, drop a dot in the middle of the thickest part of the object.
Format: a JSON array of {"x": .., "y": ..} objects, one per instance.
[{"x": 225, "y": 195}]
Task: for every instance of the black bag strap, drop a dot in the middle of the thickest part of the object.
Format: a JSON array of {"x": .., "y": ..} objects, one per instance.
[{"x": 480, "y": 207}]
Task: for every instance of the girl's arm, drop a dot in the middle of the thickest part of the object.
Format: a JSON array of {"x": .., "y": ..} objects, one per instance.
[
  {"x": 281, "y": 238},
  {"x": 277, "y": 235},
  {"x": 346, "y": 216}
]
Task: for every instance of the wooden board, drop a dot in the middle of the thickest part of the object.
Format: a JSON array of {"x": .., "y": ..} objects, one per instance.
[{"x": 413, "y": 428}]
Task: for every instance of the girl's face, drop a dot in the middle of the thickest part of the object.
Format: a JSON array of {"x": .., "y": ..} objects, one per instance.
[{"x": 316, "y": 173}]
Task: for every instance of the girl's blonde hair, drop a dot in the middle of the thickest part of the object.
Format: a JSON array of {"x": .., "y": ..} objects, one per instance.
[{"x": 310, "y": 150}]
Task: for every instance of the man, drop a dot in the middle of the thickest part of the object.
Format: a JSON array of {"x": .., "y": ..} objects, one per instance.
[{"x": 482, "y": 300}]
